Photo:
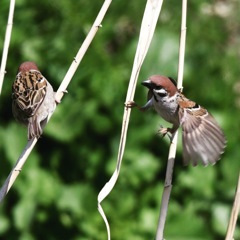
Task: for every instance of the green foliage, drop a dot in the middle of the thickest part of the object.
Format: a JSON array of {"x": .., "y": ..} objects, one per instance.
[{"x": 55, "y": 196}]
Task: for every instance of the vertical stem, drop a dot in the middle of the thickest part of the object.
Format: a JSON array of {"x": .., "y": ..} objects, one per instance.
[
  {"x": 173, "y": 147},
  {"x": 167, "y": 187},
  {"x": 6, "y": 43},
  {"x": 149, "y": 21},
  {"x": 234, "y": 213},
  {"x": 182, "y": 44}
]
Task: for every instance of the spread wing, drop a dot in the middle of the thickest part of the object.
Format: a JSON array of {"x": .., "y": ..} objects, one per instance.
[{"x": 203, "y": 140}]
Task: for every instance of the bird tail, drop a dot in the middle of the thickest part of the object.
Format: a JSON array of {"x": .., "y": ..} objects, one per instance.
[{"x": 34, "y": 128}]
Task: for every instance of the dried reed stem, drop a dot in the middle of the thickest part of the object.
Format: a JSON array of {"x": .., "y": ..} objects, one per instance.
[
  {"x": 151, "y": 14},
  {"x": 27, "y": 150},
  {"x": 234, "y": 213},
  {"x": 6, "y": 43},
  {"x": 173, "y": 146}
]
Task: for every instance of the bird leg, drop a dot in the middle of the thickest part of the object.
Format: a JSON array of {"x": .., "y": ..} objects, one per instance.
[
  {"x": 132, "y": 104},
  {"x": 165, "y": 131}
]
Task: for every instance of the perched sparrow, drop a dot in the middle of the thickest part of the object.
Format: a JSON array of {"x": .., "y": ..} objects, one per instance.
[
  {"x": 202, "y": 138},
  {"x": 33, "y": 98}
]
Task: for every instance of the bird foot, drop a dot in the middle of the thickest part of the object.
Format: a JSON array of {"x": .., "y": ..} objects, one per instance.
[
  {"x": 130, "y": 104},
  {"x": 180, "y": 89},
  {"x": 165, "y": 131}
]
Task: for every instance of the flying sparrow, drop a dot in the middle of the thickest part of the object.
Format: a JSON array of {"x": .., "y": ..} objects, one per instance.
[
  {"x": 33, "y": 99},
  {"x": 202, "y": 138}
]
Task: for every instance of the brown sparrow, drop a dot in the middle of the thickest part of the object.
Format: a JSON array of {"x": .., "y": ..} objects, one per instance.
[
  {"x": 33, "y": 99},
  {"x": 203, "y": 139}
]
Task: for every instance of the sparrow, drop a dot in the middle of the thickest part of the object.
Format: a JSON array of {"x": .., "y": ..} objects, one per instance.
[
  {"x": 33, "y": 99},
  {"x": 202, "y": 138}
]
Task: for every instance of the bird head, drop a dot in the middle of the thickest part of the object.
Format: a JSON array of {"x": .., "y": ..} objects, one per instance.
[
  {"x": 160, "y": 86},
  {"x": 27, "y": 66}
]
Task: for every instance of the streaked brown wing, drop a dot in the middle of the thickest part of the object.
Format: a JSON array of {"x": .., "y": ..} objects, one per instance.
[
  {"x": 202, "y": 138},
  {"x": 29, "y": 90}
]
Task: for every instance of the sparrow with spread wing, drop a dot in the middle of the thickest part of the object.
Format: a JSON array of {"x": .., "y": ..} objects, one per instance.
[{"x": 202, "y": 138}]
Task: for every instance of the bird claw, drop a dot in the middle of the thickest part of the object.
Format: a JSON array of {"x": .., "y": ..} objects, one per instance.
[
  {"x": 130, "y": 104},
  {"x": 165, "y": 131},
  {"x": 180, "y": 89}
]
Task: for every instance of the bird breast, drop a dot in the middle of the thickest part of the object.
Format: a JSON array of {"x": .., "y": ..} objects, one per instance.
[{"x": 167, "y": 108}]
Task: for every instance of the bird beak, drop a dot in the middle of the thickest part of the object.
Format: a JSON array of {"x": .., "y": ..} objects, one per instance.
[{"x": 148, "y": 83}]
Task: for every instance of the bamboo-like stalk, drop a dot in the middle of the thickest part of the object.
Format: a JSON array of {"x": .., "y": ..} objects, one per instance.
[
  {"x": 173, "y": 146},
  {"x": 30, "y": 145},
  {"x": 151, "y": 14},
  {"x": 234, "y": 214},
  {"x": 6, "y": 43}
]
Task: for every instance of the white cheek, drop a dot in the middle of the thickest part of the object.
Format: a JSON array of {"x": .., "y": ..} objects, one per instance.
[{"x": 161, "y": 92}]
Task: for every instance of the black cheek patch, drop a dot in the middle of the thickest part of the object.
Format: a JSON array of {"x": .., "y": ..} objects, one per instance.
[
  {"x": 162, "y": 94},
  {"x": 196, "y": 106},
  {"x": 155, "y": 97}
]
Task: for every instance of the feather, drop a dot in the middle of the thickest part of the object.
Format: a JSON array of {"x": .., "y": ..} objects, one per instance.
[
  {"x": 202, "y": 138},
  {"x": 32, "y": 98}
]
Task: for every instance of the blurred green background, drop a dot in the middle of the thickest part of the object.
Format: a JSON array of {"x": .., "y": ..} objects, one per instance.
[{"x": 55, "y": 196}]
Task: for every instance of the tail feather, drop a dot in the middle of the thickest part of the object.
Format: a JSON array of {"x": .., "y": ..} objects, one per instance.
[{"x": 34, "y": 128}]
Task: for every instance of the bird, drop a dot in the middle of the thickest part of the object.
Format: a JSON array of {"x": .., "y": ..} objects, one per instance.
[
  {"x": 33, "y": 99},
  {"x": 202, "y": 138}
]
